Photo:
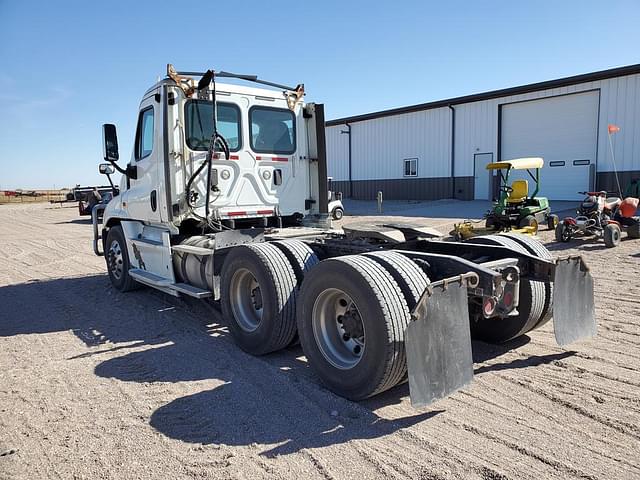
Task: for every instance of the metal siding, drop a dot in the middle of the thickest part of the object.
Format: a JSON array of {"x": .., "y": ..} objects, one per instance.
[
  {"x": 379, "y": 146},
  {"x": 477, "y": 123}
]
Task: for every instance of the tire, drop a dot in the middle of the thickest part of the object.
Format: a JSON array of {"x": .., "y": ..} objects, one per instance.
[
  {"x": 411, "y": 279},
  {"x": 300, "y": 255},
  {"x": 530, "y": 309},
  {"x": 552, "y": 222},
  {"x": 337, "y": 213},
  {"x": 302, "y": 258},
  {"x": 563, "y": 233},
  {"x": 117, "y": 258},
  {"x": 408, "y": 275},
  {"x": 258, "y": 297},
  {"x": 612, "y": 235},
  {"x": 528, "y": 221},
  {"x": 633, "y": 231},
  {"x": 490, "y": 223},
  {"x": 381, "y": 313},
  {"x": 535, "y": 247}
]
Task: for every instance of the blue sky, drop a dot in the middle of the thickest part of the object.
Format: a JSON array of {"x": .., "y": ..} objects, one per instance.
[{"x": 67, "y": 67}]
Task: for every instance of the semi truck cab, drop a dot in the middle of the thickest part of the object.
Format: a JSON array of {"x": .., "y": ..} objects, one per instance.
[{"x": 267, "y": 176}]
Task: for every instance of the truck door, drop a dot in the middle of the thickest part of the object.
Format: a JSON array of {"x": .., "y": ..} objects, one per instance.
[{"x": 143, "y": 195}]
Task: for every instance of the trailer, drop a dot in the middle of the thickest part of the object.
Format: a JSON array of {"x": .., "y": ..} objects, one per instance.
[{"x": 225, "y": 199}]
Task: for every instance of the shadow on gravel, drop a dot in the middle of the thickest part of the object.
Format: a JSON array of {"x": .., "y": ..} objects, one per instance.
[
  {"x": 228, "y": 415},
  {"x": 588, "y": 243},
  {"x": 274, "y": 400},
  {"x": 81, "y": 221},
  {"x": 88, "y": 306}
]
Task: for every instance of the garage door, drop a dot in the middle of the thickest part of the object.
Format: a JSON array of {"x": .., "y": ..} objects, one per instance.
[{"x": 563, "y": 131}]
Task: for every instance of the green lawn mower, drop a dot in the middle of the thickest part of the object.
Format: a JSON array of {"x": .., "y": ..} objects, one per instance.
[{"x": 516, "y": 209}]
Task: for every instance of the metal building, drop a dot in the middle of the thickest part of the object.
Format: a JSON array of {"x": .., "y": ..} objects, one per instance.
[{"x": 440, "y": 149}]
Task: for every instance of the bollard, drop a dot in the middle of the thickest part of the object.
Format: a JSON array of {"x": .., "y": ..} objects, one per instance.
[{"x": 379, "y": 198}]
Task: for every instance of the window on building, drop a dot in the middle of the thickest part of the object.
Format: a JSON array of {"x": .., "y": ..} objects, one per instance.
[
  {"x": 144, "y": 136},
  {"x": 199, "y": 124},
  {"x": 272, "y": 130},
  {"x": 410, "y": 167}
]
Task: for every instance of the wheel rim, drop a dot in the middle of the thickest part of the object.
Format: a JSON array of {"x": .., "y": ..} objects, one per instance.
[
  {"x": 338, "y": 328},
  {"x": 115, "y": 259},
  {"x": 246, "y": 300},
  {"x": 566, "y": 234}
]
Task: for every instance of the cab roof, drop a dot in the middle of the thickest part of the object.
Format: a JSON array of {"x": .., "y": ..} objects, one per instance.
[
  {"x": 229, "y": 88},
  {"x": 517, "y": 164}
]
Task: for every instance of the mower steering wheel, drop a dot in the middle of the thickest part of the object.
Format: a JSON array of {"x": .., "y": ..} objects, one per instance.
[{"x": 507, "y": 189}]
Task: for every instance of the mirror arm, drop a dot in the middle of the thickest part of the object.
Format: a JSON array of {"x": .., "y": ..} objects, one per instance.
[{"x": 116, "y": 166}]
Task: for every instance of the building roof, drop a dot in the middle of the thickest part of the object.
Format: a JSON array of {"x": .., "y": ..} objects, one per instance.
[{"x": 532, "y": 87}]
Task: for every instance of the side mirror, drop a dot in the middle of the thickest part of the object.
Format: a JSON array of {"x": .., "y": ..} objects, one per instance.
[
  {"x": 106, "y": 169},
  {"x": 110, "y": 142}
]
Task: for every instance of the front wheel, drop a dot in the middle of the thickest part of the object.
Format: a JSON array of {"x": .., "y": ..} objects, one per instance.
[
  {"x": 338, "y": 213},
  {"x": 563, "y": 232},
  {"x": 117, "y": 258},
  {"x": 552, "y": 221},
  {"x": 612, "y": 235}
]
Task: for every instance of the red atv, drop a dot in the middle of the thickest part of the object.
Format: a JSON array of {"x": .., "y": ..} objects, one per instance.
[{"x": 599, "y": 215}]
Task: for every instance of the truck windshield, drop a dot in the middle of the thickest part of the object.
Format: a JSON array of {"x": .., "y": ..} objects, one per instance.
[
  {"x": 199, "y": 126},
  {"x": 273, "y": 130}
]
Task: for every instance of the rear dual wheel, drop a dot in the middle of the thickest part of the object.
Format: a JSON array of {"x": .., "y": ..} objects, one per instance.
[
  {"x": 530, "y": 308},
  {"x": 535, "y": 247},
  {"x": 352, "y": 315},
  {"x": 259, "y": 284}
]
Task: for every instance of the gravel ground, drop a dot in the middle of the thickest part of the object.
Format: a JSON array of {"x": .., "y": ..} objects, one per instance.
[{"x": 98, "y": 384}]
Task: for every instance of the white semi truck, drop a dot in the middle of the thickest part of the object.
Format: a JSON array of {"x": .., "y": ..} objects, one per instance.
[{"x": 225, "y": 198}]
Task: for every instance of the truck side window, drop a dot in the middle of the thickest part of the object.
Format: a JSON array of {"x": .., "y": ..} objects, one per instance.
[
  {"x": 199, "y": 127},
  {"x": 272, "y": 130},
  {"x": 144, "y": 136}
]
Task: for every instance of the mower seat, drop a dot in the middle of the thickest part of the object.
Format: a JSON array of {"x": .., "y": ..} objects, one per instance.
[{"x": 520, "y": 191}]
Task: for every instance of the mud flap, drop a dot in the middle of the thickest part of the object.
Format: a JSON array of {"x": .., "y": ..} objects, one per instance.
[
  {"x": 573, "y": 305},
  {"x": 438, "y": 343}
]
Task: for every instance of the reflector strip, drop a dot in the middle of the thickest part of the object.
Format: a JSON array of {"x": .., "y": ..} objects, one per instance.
[
  {"x": 246, "y": 214},
  {"x": 272, "y": 159},
  {"x": 220, "y": 156}
]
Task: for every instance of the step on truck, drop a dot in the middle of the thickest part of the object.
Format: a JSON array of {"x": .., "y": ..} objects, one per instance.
[{"x": 225, "y": 199}]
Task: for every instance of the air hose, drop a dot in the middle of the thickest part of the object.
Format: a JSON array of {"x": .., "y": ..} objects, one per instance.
[{"x": 216, "y": 140}]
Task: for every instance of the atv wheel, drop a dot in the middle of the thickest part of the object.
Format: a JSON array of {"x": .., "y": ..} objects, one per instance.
[
  {"x": 633, "y": 231},
  {"x": 563, "y": 232},
  {"x": 612, "y": 235},
  {"x": 552, "y": 222}
]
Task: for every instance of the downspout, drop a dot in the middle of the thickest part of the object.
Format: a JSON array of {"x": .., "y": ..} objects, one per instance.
[
  {"x": 348, "y": 132},
  {"x": 453, "y": 151}
]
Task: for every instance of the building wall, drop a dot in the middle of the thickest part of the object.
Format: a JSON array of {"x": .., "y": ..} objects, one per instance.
[{"x": 380, "y": 145}]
